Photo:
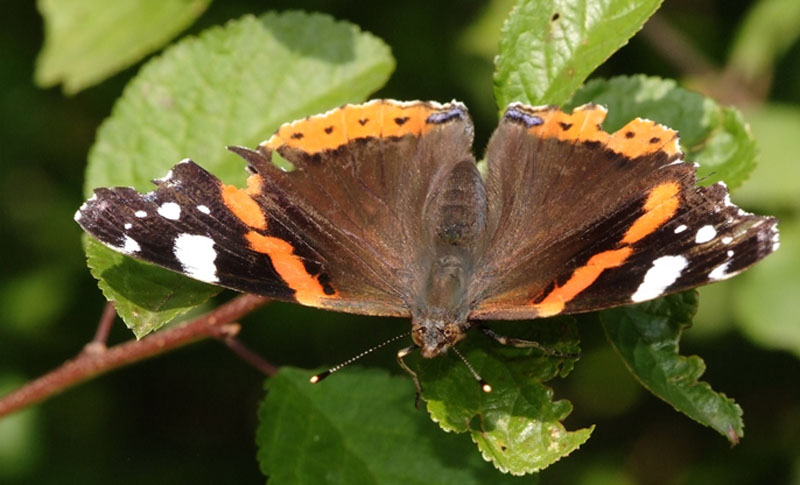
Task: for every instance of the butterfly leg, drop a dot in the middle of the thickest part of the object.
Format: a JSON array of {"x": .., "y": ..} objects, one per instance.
[
  {"x": 401, "y": 354},
  {"x": 526, "y": 344}
]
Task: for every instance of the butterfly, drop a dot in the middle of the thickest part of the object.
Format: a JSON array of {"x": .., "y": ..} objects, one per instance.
[{"x": 385, "y": 212}]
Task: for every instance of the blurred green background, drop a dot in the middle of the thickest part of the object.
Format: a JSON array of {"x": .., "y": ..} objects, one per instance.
[{"x": 190, "y": 416}]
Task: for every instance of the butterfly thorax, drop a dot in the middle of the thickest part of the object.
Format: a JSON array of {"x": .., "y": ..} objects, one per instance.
[
  {"x": 456, "y": 218},
  {"x": 441, "y": 312}
]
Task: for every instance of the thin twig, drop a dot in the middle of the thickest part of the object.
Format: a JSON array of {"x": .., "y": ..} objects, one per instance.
[
  {"x": 87, "y": 365},
  {"x": 100, "y": 339},
  {"x": 249, "y": 356}
]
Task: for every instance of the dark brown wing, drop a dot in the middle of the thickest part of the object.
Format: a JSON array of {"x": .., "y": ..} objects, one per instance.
[
  {"x": 340, "y": 231},
  {"x": 581, "y": 219}
]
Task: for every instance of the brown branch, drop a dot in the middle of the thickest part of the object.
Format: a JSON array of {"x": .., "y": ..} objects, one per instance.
[
  {"x": 98, "y": 343},
  {"x": 86, "y": 365},
  {"x": 249, "y": 356}
]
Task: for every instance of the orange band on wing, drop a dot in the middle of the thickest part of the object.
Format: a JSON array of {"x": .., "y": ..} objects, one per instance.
[
  {"x": 581, "y": 278},
  {"x": 242, "y": 204},
  {"x": 637, "y": 138},
  {"x": 661, "y": 205},
  {"x": 254, "y": 183},
  {"x": 379, "y": 119},
  {"x": 307, "y": 289},
  {"x": 642, "y": 137},
  {"x": 583, "y": 124}
]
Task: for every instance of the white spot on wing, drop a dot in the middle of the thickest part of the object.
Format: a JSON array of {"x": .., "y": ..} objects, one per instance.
[
  {"x": 680, "y": 228},
  {"x": 130, "y": 246},
  {"x": 170, "y": 210},
  {"x": 204, "y": 209},
  {"x": 720, "y": 272},
  {"x": 196, "y": 255},
  {"x": 140, "y": 214},
  {"x": 705, "y": 234},
  {"x": 727, "y": 240},
  {"x": 128, "y": 225},
  {"x": 730, "y": 253},
  {"x": 659, "y": 277}
]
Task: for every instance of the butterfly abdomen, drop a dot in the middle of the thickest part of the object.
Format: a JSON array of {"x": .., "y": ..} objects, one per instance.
[{"x": 460, "y": 208}]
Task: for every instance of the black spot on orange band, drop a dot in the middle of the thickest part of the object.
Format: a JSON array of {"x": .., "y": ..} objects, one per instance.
[{"x": 351, "y": 123}]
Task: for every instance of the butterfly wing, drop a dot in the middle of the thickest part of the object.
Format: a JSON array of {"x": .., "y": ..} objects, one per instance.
[
  {"x": 339, "y": 231},
  {"x": 580, "y": 219}
]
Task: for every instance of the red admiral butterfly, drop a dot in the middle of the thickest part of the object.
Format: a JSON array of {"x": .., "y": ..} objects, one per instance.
[{"x": 386, "y": 213}]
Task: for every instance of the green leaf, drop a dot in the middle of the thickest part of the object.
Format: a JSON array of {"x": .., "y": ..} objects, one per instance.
[
  {"x": 646, "y": 337},
  {"x": 232, "y": 85},
  {"x": 549, "y": 47},
  {"x": 87, "y": 41},
  {"x": 714, "y": 136},
  {"x": 518, "y": 425},
  {"x": 152, "y": 296},
  {"x": 769, "y": 30},
  {"x": 359, "y": 426}
]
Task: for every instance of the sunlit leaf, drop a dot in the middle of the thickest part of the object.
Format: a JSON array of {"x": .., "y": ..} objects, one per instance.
[
  {"x": 359, "y": 426},
  {"x": 87, "y": 41},
  {"x": 549, "y": 47},
  {"x": 646, "y": 336},
  {"x": 518, "y": 425}
]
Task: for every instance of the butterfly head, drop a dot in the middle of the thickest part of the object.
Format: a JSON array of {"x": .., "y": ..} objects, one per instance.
[{"x": 434, "y": 336}]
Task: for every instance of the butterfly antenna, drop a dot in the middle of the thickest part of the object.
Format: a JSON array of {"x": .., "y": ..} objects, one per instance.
[
  {"x": 485, "y": 387},
  {"x": 323, "y": 375}
]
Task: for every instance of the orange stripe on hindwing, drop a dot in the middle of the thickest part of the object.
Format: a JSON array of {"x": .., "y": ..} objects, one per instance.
[
  {"x": 638, "y": 138},
  {"x": 583, "y": 124},
  {"x": 378, "y": 119}
]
